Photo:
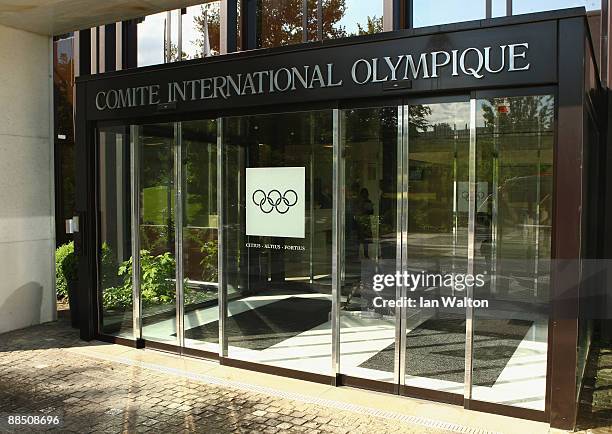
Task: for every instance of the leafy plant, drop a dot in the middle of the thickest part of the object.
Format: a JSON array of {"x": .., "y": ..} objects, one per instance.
[
  {"x": 157, "y": 278},
  {"x": 65, "y": 269},
  {"x": 108, "y": 269},
  {"x": 209, "y": 262},
  {"x": 156, "y": 282},
  {"x": 117, "y": 297}
]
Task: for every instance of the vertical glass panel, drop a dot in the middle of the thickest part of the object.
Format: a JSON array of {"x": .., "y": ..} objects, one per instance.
[
  {"x": 200, "y": 232},
  {"x": 529, "y": 6},
  {"x": 367, "y": 331},
  {"x": 277, "y": 195},
  {"x": 115, "y": 294},
  {"x": 349, "y": 17},
  {"x": 151, "y": 37},
  {"x": 279, "y": 22},
  {"x": 63, "y": 80},
  {"x": 156, "y": 231},
  {"x": 514, "y": 172},
  {"x": 499, "y": 8},
  {"x": 447, "y": 11},
  {"x": 63, "y": 96},
  {"x": 175, "y": 16},
  {"x": 201, "y": 30},
  {"x": 438, "y": 175}
]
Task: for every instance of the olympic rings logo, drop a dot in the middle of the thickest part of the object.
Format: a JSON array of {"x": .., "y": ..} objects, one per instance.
[{"x": 275, "y": 200}]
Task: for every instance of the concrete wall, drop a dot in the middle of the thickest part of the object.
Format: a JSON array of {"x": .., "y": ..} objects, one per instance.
[{"x": 27, "y": 232}]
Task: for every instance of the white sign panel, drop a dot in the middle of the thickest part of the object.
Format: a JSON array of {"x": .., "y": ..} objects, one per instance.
[
  {"x": 275, "y": 202},
  {"x": 463, "y": 195}
]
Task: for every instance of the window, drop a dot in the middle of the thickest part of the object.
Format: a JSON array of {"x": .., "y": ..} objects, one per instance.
[
  {"x": 279, "y": 22},
  {"x": 151, "y": 38},
  {"x": 200, "y": 34},
  {"x": 201, "y": 30},
  {"x": 530, "y": 6},
  {"x": 499, "y": 8},
  {"x": 447, "y": 11},
  {"x": 351, "y": 17}
]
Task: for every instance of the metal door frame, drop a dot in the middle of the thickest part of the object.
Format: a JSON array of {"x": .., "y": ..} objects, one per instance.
[
  {"x": 402, "y": 248},
  {"x": 178, "y": 213},
  {"x": 398, "y": 385},
  {"x": 338, "y": 226}
]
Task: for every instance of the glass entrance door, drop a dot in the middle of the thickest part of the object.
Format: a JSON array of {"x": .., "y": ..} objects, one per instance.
[
  {"x": 176, "y": 270},
  {"x": 199, "y": 233},
  {"x": 371, "y": 142},
  {"x": 513, "y": 180},
  {"x": 346, "y": 243},
  {"x": 156, "y": 266},
  {"x": 405, "y": 170},
  {"x": 277, "y": 201},
  {"x": 435, "y": 244},
  {"x": 447, "y": 203}
]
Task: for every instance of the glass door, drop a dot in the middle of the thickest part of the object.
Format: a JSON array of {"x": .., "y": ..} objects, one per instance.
[
  {"x": 512, "y": 246},
  {"x": 176, "y": 283},
  {"x": 447, "y": 204},
  {"x": 349, "y": 242},
  {"x": 277, "y": 238},
  {"x": 371, "y": 146},
  {"x": 405, "y": 169},
  {"x": 199, "y": 233},
  {"x": 435, "y": 245},
  {"x": 115, "y": 295},
  {"x": 156, "y": 267}
]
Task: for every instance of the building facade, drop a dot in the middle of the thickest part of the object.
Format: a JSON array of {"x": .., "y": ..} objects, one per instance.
[
  {"x": 27, "y": 236},
  {"x": 267, "y": 191},
  {"x": 257, "y": 182}
]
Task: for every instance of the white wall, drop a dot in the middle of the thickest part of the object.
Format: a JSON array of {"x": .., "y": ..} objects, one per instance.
[{"x": 27, "y": 245}]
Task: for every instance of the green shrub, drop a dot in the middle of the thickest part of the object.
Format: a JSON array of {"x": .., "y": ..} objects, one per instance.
[
  {"x": 156, "y": 282},
  {"x": 157, "y": 278},
  {"x": 108, "y": 268},
  {"x": 209, "y": 262},
  {"x": 65, "y": 269}
]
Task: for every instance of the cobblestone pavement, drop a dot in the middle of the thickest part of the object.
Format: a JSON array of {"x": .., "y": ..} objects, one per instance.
[
  {"x": 38, "y": 376},
  {"x": 595, "y": 412}
]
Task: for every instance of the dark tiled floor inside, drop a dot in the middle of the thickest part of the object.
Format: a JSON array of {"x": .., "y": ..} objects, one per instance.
[
  {"x": 436, "y": 349},
  {"x": 268, "y": 325}
]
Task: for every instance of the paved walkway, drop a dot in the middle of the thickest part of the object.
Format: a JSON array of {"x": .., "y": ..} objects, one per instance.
[
  {"x": 39, "y": 375},
  {"x": 93, "y": 387},
  {"x": 595, "y": 413}
]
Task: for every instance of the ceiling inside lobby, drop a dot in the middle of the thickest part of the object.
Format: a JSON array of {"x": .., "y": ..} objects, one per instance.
[{"x": 55, "y": 17}]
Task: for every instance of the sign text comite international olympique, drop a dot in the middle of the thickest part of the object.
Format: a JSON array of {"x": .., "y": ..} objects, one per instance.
[{"x": 472, "y": 62}]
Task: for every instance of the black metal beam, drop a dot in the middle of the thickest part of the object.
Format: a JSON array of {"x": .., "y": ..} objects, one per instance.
[
  {"x": 85, "y": 240},
  {"x": 567, "y": 223},
  {"x": 408, "y": 14},
  {"x": 85, "y": 52},
  {"x": 248, "y": 20},
  {"x": 130, "y": 44},
  {"x": 232, "y": 26},
  {"x": 110, "y": 47}
]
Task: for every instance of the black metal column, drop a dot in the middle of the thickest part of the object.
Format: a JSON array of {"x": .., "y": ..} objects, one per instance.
[
  {"x": 85, "y": 239},
  {"x": 567, "y": 225},
  {"x": 232, "y": 26},
  {"x": 248, "y": 19}
]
